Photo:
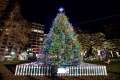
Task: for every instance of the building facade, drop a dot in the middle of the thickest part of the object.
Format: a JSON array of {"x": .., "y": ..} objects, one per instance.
[
  {"x": 17, "y": 34},
  {"x": 36, "y": 37}
]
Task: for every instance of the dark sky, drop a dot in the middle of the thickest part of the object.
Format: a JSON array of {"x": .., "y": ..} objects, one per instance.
[{"x": 85, "y": 14}]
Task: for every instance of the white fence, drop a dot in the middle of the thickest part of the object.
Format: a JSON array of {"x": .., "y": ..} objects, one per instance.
[
  {"x": 32, "y": 70},
  {"x": 86, "y": 71},
  {"x": 41, "y": 70}
]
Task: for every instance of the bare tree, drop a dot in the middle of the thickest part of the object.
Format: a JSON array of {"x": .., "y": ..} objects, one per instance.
[{"x": 16, "y": 29}]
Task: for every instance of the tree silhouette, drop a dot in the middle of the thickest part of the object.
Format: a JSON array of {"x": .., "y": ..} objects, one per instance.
[{"x": 15, "y": 33}]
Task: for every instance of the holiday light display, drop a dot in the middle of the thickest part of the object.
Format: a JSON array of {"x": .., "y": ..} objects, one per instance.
[
  {"x": 62, "y": 51},
  {"x": 61, "y": 45}
]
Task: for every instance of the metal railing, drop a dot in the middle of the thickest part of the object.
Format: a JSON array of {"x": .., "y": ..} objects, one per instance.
[{"x": 45, "y": 70}]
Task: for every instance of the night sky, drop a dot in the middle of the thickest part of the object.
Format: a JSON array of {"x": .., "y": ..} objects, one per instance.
[{"x": 88, "y": 15}]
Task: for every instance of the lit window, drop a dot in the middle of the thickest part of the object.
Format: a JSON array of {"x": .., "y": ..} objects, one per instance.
[
  {"x": 41, "y": 39},
  {"x": 38, "y": 31}
]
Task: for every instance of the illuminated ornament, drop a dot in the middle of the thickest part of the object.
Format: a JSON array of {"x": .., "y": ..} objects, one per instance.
[{"x": 61, "y": 9}]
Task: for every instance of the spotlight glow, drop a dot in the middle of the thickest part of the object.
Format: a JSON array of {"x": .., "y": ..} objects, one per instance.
[{"x": 63, "y": 70}]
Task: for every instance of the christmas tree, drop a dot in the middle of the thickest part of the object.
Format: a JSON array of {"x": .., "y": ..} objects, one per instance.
[{"x": 61, "y": 46}]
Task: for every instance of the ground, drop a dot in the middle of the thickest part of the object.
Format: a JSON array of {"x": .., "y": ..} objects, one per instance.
[{"x": 7, "y": 73}]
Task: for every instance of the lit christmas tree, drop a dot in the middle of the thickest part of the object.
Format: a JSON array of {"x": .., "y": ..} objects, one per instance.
[{"x": 61, "y": 46}]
